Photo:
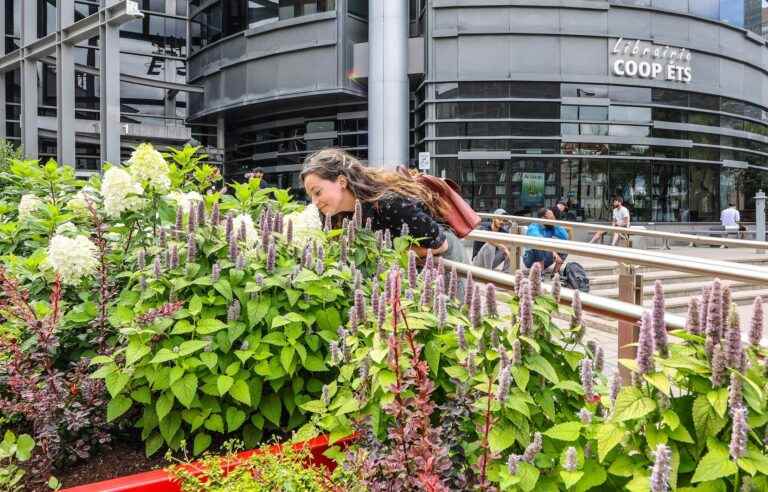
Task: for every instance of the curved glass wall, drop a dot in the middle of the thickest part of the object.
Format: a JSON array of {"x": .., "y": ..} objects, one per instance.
[
  {"x": 224, "y": 18},
  {"x": 663, "y": 151},
  {"x": 747, "y": 14}
]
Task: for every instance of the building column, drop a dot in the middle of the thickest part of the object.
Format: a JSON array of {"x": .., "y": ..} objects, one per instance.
[
  {"x": 388, "y": 88},
  {"x": 109, "y": 80},
  {"x": 3, "y": 99},
  {"x": 29, "y": 89},
  {"x": 65, "y": 88}
]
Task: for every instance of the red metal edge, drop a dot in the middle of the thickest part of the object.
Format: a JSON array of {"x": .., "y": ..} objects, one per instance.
[{"x": 162, "y": 481}]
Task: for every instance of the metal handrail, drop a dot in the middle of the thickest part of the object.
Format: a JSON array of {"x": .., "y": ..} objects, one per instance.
[
  {"x": 667, "y": 236},
  {"x": 594, "y": 304},
  {"x": 714, "y": 268}
]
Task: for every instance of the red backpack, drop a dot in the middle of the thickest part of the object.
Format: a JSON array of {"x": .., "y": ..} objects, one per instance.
[{"x": 458, "y": 214}]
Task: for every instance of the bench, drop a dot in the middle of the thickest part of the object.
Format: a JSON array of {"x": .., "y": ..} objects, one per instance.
[{"x": 748, "y": 234}]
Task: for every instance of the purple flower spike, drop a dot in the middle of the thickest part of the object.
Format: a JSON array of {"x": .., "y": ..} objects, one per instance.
[
  {"x": 191, "y": 248},
  {"x": 174, "y": 256},
  {"x": 756, "y": 323},
  {"x": 692, "y": 320},
  {"x": 427, "y": 292},
  {"x": 344, "y": 254},
  {"x": 412, "y": 274},
  {"x": 142, "y": 283},
  {"x": 179, "y": 219},
  {"x": 662, "y": 466},
  {"x": 461, "y": 337},
  {"x": 727, "y": 296},
  {"x": 587, "y": 377},
  {"x": 215, "y": 272},
  {"x": 519, "y": 275},
  {"x": 306, "y": 256},
  {"x": 585, "y": 416},
  {"x": 201, "y": 213},
  {"x": 192, "y": 222},
  {"x": 535, "y": 277},
  {"x": 733, "y": 341},
  {"x": 379, "y": 237},
  {"x": 441, "y": 267},
  {"x": 141, "y": 259},
  {"x": 157, "y": 269},
  {"x": 358, "y": 280},
  {"x": 735, "y": 393},
  {"x": 216, "y": 214},
  {"x": 556, "y": 287},
  {"x": 512, "y": 462},
  {"x": 358, "y": 215},
  {"x": 517, "y": 353},
  {"x": 375, "y": 296},
  {"x": 526, "y": 309},
  {"x": 533, "y": 449},
  {"x": 429, "y": 262},
  {"x": 229, "y": 227},
  {"x": 718, "y": 366},
  {"x": 504, "y": 382},
  {"x": 599, "y": 359},
  {"x": 387, "y": 239},
  {"x": 395, "y": 284},
  {"x": 453, "y": 283},
  {"x": 404, "y": 230},
  {"x": 271, "y": 257},
  {"x": 738, "y": 447},
  {"x": 368, "y": 224},
  {"x": 645, "y": 345},
  {"x": 577, "y": 320},
  {"x": 442, "y": 311},
  {"x": 241, "y": 232},
  {"x": 360, "y": 306},
  {"x": 233, "y": 314},
  {"x": 469, "y": 290},
  {"x": 382, "y": 312},
  {"x": 706, "y": 291},
  {"x": 327, "y": 223},
  {"x": 616, "y": 383},
  {"x": 715, "y": 313},
  {"x": 162, "y": 238},
  {"x": 570, "y": 459},
  {"x": 234, "y": 249},
  {"x": 657, "y": 316},
  {"x": 475, "y": 313},
  {"x": 490, "y": 301}
]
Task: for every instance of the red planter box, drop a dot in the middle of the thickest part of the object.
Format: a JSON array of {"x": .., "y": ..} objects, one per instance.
[{"x": 161, "y": 481}]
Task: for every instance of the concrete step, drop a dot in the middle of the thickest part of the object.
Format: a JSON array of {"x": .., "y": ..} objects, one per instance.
[
  {"x": 649, "y": 278},
  {"x": 681, "y": 288},
  {"x": 609, "y": 269}
]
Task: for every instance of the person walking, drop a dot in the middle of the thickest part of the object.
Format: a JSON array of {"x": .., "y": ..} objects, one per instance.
[
  {"x": 620, "y": 219},
  {"x": 545, "y": 258},
  {"x": 335, "y": 181}
]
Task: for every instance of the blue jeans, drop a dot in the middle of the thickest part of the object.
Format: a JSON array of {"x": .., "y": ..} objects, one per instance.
[{"x": 532, "y": 256}]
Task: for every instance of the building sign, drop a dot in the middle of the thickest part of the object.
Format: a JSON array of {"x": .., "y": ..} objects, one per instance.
[
  {"x": 424, "y": 161},
  {"x": 646, "y": 60},
  {"x": 532, "y": 192}
]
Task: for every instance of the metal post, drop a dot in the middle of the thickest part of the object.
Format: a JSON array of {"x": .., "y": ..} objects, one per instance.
[
  {"x": 3, "y": 101},
  {"x": 29, "y": 98},
  {"x": 109, "y": 79},
  {"x": 630, "y": 286},
  {"x": 516, "y": 251},
  {"x": 388, "y": 85},
  {"x": 760, "y": 218},
  {"x": 65, "y": 87}
]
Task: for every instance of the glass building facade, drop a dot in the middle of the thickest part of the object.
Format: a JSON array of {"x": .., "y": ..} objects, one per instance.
[{"x": 153, "y": 48}]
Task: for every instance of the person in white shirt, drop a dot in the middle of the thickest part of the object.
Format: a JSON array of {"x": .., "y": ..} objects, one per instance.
[
  {"x": 730, "y": 216},
  {"x": 620, "y": 219}
]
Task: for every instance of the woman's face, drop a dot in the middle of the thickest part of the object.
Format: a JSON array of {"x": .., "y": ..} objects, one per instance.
[{"x": 328, "y": 196}]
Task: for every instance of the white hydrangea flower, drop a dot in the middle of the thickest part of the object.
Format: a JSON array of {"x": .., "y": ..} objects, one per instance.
[
  {"x": 184, "y": 200},
  {"x": 251, "y": 234},
  {"x": 148, "y": 166},
  {"x": 306, "y": 224},
  {"x": 73, "y": 259},
  {"x": 118, "y": 189},
  {"x": 66, "y": 228},
  {"x": 28, "y": 205},
  {"x": 78, "y": 203}
]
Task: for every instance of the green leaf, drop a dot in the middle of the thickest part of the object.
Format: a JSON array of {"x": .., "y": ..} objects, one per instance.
[
  {"x": 286, "y": 358},
  {"x": 240, "y": 392},
  {"x": 169, "y": 426},
  {"x": 594, "y": 476},
  {"x": 164, "y": 355},
  {"x": 257, "y": 309},
  {"x": 568, "y": 431},
  {"x": 622, "y": 466},
  {"x": 191, "y": 346},
  {"x": 116, "y": 382},
  {"x": 235, "y": 418},
  {"x": 501, "y": 437},
  {"x": 328, "y": 319},
  {"x": 209, "y": 325},
  {"x": 142, "y": 395},
  {"x": 659, "y": 380},
  {"x": 135, "y": 351},
  {"x": 529, "y": 475},
  {"x": 209, "y": 359},
  {"x": 164, "y": 405},
  {"x": 608, "y": 437},
  {"x": 185, "y": 389},
  {"x": 182, "y": 327},
  {"x": 271, "y": 408},
  {"x": 314, "y": 363},
  {"x": 117, "y": 407},
  {"x": 202, "y": 442},
  {"x": 274, "y": 338},
  {"x": 631, "y": 404},
  {"x": 24, "y": 446},
  {"x": 718, "y": 398},
  {"x": 706, "y": 422},
  {"x": 223, "y": 288},
  {"x": 432, "y": 354},
  {"x": 215, "y": 423},
  {"x": 570, "y": 478},
  {"x": 223, "y": 383},
  {"x": 314, "y": 406},
  {"x": 521, "y": 376},
  {"x": 153, "y": 444},
  {"x": 195, "y": 307},
  {"x": 537, "y": 363},
  {"x": 715, "y": 464},
  {"x": 681, "y": 434}
]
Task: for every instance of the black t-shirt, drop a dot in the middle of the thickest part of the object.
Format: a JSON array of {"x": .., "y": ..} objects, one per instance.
[{"x": 393, "y": 210}]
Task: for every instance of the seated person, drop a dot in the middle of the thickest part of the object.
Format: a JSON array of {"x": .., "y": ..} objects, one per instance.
[
  {"x": 494, "y": 225},
  {"x": 545, "y": 258}
]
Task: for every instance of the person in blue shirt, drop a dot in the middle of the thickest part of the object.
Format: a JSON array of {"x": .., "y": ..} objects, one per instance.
[{"x": 545, "y": 258}]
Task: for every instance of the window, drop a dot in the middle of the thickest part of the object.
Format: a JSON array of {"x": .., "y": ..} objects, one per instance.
[
  {"x": 670, "y": 193},
  {"x": 670, "y": 97},
  {"x": 593, "y": 113},
  {"x": 584, "y": 90},
  {"x": 620, "y": 93},
  {"x": 630, "y": 113},
  {"x": 447, "y": 91},
  {"x": 358, "y": 7},
  {"x": 632, "y": 182}
]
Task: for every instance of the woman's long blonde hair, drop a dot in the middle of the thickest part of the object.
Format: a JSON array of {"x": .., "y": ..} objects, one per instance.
[{"x": 368, "y": 184}]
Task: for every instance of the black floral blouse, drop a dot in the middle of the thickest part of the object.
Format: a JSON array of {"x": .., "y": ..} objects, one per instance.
[{"x": 394, "y": 210}]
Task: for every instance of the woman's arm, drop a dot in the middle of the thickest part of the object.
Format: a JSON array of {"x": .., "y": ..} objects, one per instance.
[{"x": 421, "y": 251}]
